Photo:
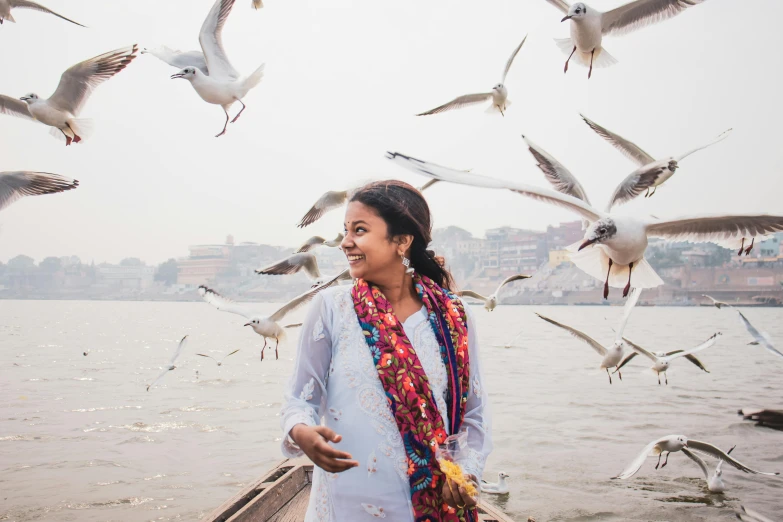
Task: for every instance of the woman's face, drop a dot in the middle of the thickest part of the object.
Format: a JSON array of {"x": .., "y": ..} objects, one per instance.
[{"x": 372, "y": 256}]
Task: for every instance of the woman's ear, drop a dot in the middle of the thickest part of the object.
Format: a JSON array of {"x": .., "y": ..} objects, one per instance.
[{"x": 404, "y": 242}]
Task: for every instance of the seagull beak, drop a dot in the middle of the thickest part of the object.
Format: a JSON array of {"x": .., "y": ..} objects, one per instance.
[
  {"x": 178, "y": 75},
  {"x": 24, "y": 98},
  {"x": 586, "y": 243},
  {"x": 566, "y": 18},
  {"x": 247, "y": 324}
]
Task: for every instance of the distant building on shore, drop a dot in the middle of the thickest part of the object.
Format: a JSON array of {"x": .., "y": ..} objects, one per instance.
[{"x": 204, "y": 263}]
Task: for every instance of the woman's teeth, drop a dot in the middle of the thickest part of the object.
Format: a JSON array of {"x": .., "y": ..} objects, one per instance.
[{"x": 355, "y": 258}]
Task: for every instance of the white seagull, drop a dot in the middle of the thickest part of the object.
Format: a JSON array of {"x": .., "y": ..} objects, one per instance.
[
  {"x": 759, "y": 337},
  {"x": 492, "y": 301},
  {"x": 651, "y": 173},
  {"x": 18, "y": 184},
  {"x": 210, "y": 72},
  {"x": 7, "y": 5},
  {"x": 257, "y": 4},
  {"x": 303, "y": 261},
  {"x": 265, "y": 326},
  {"x": 498, "y": 94},
  {"x": 170, "y": 366},
  {"x": 317, "y": 241},
  {"x": 62, "y": 109},
  {"x": 612, "y": 239},
  {"x": 752, "y": 516},
  {"x": 614, "y": 354},
  {"x": 588, "y": 26},
  {"x": 219, "y": 362},
  {"x": 661, "y": 362},
  {"x": 496, "y": 488},
  {"x": 717, "y": 304},
  {"x": 714, "y": 480},
  {"x": 673, "y": 443}
]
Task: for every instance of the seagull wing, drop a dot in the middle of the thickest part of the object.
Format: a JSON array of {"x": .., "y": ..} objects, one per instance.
[
  {"x": 637, "y": 182},
  {"x": 211, "y": 39},
  {"x": 699, "y": 462},
  {"x": 511, "y": 58},
  {"x": 182, "y": 344},
  {"x": 14, "y": 107},
  {"x": 703, "y": 346},
  {"x": 629, "y": 149},
  {"x": 560, "y": 4},
  {"x": 26, "y": 4},
  {"x": 17, "y": 184},
  {"x": 310, "y": 244},
  {"x": 78, "y": 82},
  {"x": 329, "y": 201},
  {"x": 228, "y": 355},
  {"x": 640, "y": 13},
  {"x": 459, "y": 102},
  {"x": 651, "y": 449},
  {"x": 578, "y": 334},
  {"x": 257, "y": 4},
  {"x": 720, "y": 137},
  {"x": 160, "y": 377},
  {"x": 432, "y": 170},
  {"x": 638, "y": 349},
  {"x": 760, "y": 337},
  {"x": 205, "y": 355},
  {"x": 428, "y": 185},
  {"x": 752, "y": 516},
  {"x": 626, "y": 361},
  {"x": 306, "y": 297},
  {"x": 471, "y": 293},
  {"x": 720, "y": 462},
  {"x": 713, "y": 451},
  {"x": 511, "y": 279},
  {"x": 179, "y": 59},
  {"x": 292, "y": 264},
  {"x": 223, "y": 304},
  {"x": 715, "y": 228},
  {"x": 560, "y": 177},
  {"x": 630, "y": 304},
  {"x": 693, "y": 359}
]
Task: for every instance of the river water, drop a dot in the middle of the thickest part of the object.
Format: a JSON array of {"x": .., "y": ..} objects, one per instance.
[{"x": 82, "y": 440}]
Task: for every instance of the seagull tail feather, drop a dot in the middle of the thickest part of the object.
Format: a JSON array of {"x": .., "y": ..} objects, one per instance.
[
  {"x": 255, "y": 78},
  {"x": 82, "y": 127}
]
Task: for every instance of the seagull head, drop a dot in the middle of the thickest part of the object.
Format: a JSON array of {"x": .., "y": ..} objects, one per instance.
[
  {"x": 683, "y": 440},
  {"x": 29, "y": 98},
  {"x": 599, "y": 232},
  {"x": 253, "y": 323},
  {"x": 577, "y": 11},
  {"x": 188, "y": 73},
  {"x": 673, "y": 165},
  {"x": 503, "y": 475}
]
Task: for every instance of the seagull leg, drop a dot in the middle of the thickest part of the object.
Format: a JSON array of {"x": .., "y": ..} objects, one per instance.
[
  {"x": 619, "y": 373},
  {"x": 653, "y": 192},
  {"x": 262, "y": 349},
  {"x": 68, "y": 140},
  {"x": 647, "y": 194},
  {"x": 277, "y": 342},
  {"x": 659, "y": 378},
  {"x": 590, "y": 72},
  {"x": 666, "y": 460},
  {"x": 747, "y": 250},
  {"x": 225, "y": 125},
  {"x": 666, "y": 376},
  {"x": 565, "y": 70},
  {"x": 76, "y": 137},
  {"x": 606, "y": 284},
  {"x": 742, "y": 247},
  {"x": 240, "y": 112},
  {"x": 659, "y": 460},
  {"x": 628, "y": 286},
  {"x": 610, "y": 377}
]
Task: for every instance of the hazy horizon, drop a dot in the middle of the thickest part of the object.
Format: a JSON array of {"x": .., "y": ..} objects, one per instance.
[{"x": 343, "y": 82}]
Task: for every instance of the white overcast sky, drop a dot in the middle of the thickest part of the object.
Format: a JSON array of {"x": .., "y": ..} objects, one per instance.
[{"x": 343, "y": 81}]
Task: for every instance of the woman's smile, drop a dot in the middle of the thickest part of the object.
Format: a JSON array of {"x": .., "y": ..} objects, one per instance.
[{"x": 354, "y": 259}]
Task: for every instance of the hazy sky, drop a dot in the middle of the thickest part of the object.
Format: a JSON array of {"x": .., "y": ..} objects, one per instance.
[{"x": 343, "y": 81}]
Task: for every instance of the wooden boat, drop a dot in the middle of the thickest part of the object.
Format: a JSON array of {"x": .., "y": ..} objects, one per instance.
[{"x": 282, "y": 496}]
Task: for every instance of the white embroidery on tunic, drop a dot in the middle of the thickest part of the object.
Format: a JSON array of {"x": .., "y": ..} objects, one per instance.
[
  {"x": 307, "y": 390},
  {"x": 429, "y": 355},
  {"x": 375, "y": 511},
  {"x": 323, "y": 503},
  {"x": 318, "y": 330},
  {"x": 335, "y": 413},
  {"x": 372, "y": 464},
  {"x": 476, "y": 386}
]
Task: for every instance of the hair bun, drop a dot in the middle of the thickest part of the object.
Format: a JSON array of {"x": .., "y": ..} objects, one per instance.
[{"x": 440, "y": 260}]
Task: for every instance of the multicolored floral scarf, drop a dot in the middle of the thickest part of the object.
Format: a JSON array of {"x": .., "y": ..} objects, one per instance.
[{"x": 408, "y": 390}]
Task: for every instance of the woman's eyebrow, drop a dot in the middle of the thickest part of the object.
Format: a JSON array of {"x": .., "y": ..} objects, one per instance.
[{"x": 356, "y": 222}]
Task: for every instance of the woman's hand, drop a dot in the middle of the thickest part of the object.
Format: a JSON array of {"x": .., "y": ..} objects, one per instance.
[
  {"x": 314, "y": 442},
  {"x": 455, "y": 496}
]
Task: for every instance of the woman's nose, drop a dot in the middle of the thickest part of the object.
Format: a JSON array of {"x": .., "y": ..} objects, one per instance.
[{"x": 346, "y": 242}]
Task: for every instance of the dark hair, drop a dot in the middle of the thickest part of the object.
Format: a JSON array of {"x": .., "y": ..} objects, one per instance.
[{"x": 406, "y": 212}]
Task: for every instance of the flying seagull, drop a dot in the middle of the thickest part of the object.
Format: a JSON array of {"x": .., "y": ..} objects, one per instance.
[
  {"x": 498, "y": 94},
  {"x": 588, "y": 26},
  {"x": 661, "y": 362},
  {"x": 759, "y": 337},
  {"x": 714, "y": 480},
  {"x": 612, "y": 239},
  {"x": 317, "y": 241},
  {"x": 492, "y": 301},
  {"x": 62, "y": 109},
  {"x": 613, "y": 354},
  {"x": 7, "y": 5},
  {"x": 265, "y": 326},
  {"x": 170, "y": 366},
  {"x": 717, "y": 304},
  {"x": 18, "y": 184},
  {"x": 303, "y": 261},
  {"x": 219, "y": 362},
  {"x": 673, "y": 443}
]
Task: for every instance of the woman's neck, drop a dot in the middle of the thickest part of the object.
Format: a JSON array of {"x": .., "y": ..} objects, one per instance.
[{"x": 402, "y": 296}]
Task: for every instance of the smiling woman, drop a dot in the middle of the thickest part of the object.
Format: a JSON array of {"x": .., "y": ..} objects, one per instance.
[{"x": 392, "y": 365}]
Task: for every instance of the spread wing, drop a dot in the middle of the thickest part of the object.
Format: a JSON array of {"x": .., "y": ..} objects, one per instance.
[
  {"x": 158, "y": 379},
  {"x": 651, "y": 449},
  {"x": 228, "y": 355},
  {"x": 560, "y": 4},
  {"x": 223, "y": 304},
  {"x": 15, "y": 185},
  {"x": 459, "y": 102},
  {"x": 638, "y": 349},
  {"x": 329, "y": 201},
  {"x": 625, "y": 361},
  {"x": 428, "y": 185},
  {"x": 432, "y": 170},
  {"x": 14, "y": 107},
  {"x": 699, "y": 462},
  {"x": 511, "y": 279},
  {"x": 179, "y": 59},
  {"x": 211, "y": 39},
  {"x": 26, "y": 4},
  {"x": 182, "y": 344},
  {"x": 304, "y": 261},
  {"x": 78, "y": 82},
  {"x": 760, "y": 337},
  {"x": 703, "y": 346},
  {"x": 560, "y": 177},
  {"x": 722, "y": 136},
  {"x": 714, "y": 451},
  {"x": 471, "y": 293},
  {"x": 630, "y": 304},
  {"x": 306, "y": 297},
  {"x": 578, "y": 334},
  {"x": 628, "y": 148},
  {"x": 716, "y": 228},
  {"x": 637, "y": 182},
  {"x": 511, "y": 58},
  {"x": 310, "y": 244},
  {"x": 640, "y": 13},
  {"x": 205, "y": 355}
]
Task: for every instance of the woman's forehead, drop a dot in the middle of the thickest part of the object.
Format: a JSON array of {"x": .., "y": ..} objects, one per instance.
[{"x": 357, "y": 211}]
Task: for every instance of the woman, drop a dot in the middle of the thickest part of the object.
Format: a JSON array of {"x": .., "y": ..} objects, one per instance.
[{"x": 392, "y": 364}]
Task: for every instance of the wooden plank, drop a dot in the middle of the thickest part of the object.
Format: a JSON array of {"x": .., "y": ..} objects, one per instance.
[
  {"x": 489, "y": 513},
  {"x": 274, "y": 497},
  {"x": 295, "y": 510}
]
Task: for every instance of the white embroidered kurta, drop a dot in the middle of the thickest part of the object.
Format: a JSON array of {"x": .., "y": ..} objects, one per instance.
[{"x": 335, "y": 379}]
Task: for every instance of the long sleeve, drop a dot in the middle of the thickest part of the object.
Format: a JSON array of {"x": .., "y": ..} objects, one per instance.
[
  {"x": 305, "y": 396},
  {"x": 477, "y": 421}
]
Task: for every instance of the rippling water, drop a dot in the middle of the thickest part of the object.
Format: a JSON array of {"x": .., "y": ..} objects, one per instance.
[{"x": 81, "y": 439}]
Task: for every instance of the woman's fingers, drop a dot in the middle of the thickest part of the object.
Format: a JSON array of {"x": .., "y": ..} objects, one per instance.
[
  {"x": 465, "y": 499},
  {"x": 328, "y": 433},
  {"x": 335, "y": 465},
  {"x": 332, "y": 453}
]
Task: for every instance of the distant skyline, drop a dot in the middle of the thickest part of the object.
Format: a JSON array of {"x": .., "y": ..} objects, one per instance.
[{"x": 343, "y": 82}]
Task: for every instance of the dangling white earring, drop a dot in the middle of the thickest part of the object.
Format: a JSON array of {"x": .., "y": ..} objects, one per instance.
[{"x": 407, "y": 263}]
